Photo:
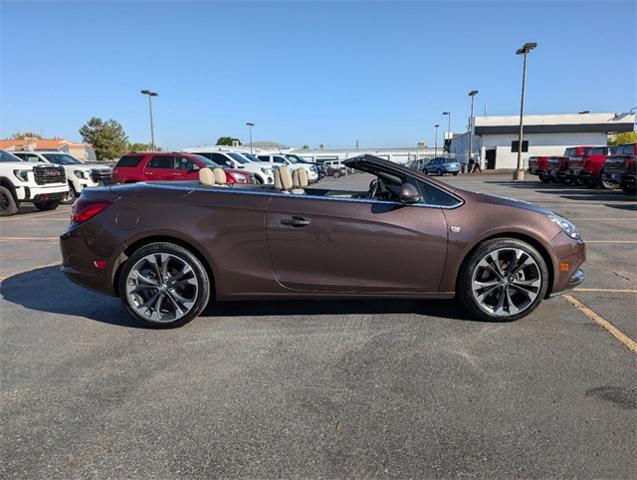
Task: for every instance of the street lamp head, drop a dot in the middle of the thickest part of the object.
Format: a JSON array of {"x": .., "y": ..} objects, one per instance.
[
  {"x": 473, "y": 93},
  {"x": 436, "y": 125},
  {"x": 148, "y": 92},
  {"x": 249, "y": 124},
  {"x": 446, "y": 113},
  {"x": 526, "y": 48}
]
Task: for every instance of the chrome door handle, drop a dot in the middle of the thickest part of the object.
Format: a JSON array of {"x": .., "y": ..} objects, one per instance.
[{"x": 295, "y": 222}]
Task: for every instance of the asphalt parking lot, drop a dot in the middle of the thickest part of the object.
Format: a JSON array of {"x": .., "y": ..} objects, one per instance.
[{"x": 339, "y": 389}]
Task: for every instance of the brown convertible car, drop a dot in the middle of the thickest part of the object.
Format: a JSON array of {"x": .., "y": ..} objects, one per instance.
[{"x": 167, "y": 248}]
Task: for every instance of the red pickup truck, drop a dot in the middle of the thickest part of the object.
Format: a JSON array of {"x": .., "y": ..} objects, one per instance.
[
  {"x": 587, "y": 167},
  {"x": 557, "y": 169},
  {"x": 539, "y": 166},
  {"x": 619, "y": 167}
]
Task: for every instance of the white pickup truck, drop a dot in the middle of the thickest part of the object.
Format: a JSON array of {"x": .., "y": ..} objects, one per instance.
[
  {"x": 80, "y": 175},
  {"x": 43, "y": 185}
]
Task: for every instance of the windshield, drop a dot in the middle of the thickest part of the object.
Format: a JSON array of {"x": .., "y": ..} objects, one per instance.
[
  {"x": 206, "y": 161},
  {"x": 8, "y": 157},
  {"x": 238, "y": 157},
  {"x": 251, "y": 157},
  {"x": 61, "y": 158},
  {"x": 296, "y": 159}
]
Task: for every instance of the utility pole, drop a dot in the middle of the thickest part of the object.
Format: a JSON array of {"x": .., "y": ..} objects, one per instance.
[
  {"x": 150, "y": 111},
  {"x": 436, "y": 142},
  {"x": 250, "y": 125},
  {"x": 526, "y": 48},
  {"x": 472, "y": 94},
  {"x": 448, "y": 131}
]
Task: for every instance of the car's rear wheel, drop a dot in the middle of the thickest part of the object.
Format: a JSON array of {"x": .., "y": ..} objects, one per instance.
[
  {"x": 48, "y": 205},
  {"x": 163, "y": 285},
  {"x": 8, "y": 205},
  {"x": 455, "y": 173},
  {"x": 544, "y": 178},
  {"x": 504, "y": 279},
  {"x": 336, "y": 175}
]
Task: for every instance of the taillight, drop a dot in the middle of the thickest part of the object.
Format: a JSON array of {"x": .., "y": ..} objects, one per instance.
[
  {"x": 630, "y": 163},
  {"x": 84, "y": 210},
  {"x": 236, "y": 177}
]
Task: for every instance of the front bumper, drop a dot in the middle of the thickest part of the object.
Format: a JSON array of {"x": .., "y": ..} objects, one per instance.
[
  {"x": 569, "y": 255},
  {"x": 35, "y": 193}
]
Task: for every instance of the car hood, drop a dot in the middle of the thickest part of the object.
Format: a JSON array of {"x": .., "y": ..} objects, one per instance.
[
  {"x": 91, "y": 166},
  {"x": 499, "y": 200}
]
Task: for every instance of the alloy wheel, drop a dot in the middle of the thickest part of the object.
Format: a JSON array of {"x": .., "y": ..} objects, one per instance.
[
  {"x": 506, "y": 281},
  {"x": 162, "y": 287}
]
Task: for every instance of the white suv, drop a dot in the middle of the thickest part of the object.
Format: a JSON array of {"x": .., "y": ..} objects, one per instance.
[
  {"x": 44, "y": 185},
  {"x": 261, "y": 171},
  {"x": 80, "y": 175},
  {"x": 292, "y": 163}
]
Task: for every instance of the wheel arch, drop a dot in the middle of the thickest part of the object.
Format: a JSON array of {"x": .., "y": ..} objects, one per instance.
[
  {"x": 525, "y": 237},
  {"x": 165, "y": 238}
]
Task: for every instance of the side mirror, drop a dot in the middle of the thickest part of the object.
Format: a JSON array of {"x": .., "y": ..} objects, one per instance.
[
  {"x": 195, "y": 168},
  {"x": 409, "y": 194}
]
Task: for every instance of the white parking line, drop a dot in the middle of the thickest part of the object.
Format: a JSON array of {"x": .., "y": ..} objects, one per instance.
[{"x": 32, "y": 216}]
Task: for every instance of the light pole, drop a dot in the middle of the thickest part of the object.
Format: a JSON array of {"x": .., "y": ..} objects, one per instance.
[
  {"x": 250, "y": 125},
  {"x": 150, "y": 111},
  {"x": 472, "y": 94},
  {"x": 526, "y": 48},
  {"x": 448, "y": 131},
  {"x": 436, "y": 142}
]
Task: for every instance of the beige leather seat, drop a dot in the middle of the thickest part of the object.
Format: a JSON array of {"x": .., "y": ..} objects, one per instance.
[
  {"x": 299, "y": 181},
  {"x": 206, "y": 177},
  {"x": 283, "y": 179},
  {"x": 220, "y": 177}
]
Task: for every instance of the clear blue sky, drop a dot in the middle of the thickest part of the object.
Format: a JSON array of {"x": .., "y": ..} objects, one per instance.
[{"x": 306, "y": 73}]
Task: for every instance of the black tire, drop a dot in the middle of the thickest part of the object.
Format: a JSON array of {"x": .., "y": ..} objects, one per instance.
[
  {"x": 424, "y": 170},
  {"x": 464, "y": 283},
  {"x": 259, "y": 180},
  {"x": 336, "y": 175},
  {"x": 8, "y": 205},
  {"x": 200, "y": 272},
  {"x": 439, "y": 172},
  {"x": 628, "y": 188},
  {"x": 48, "y": 205},
  {"x": 605, "y": 184},
  {"x": 544, "y": 179},
  {"x": 71, "y": 196},
  {"x": 455, "y": 173}
]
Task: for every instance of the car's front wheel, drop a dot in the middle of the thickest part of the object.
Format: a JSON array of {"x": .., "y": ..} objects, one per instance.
[
  {"x": 71, "y": 195},
  {"x": 163, "y": 285},
  {"x": 8, "y": 205},
  {"x": 503, "y": 279}
]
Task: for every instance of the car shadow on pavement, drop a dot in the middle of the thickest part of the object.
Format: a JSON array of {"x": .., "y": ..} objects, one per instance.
[{"x": 48, "y": 290}]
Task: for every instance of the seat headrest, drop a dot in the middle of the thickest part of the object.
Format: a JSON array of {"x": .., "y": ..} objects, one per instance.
[
  {"x": 220, "y": 176},
  {"x": 283, "y": 179},
  {"x": 299, "y": 178},
  {"x": 206, "y": 177}
]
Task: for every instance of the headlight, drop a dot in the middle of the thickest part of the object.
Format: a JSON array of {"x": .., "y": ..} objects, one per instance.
[
  {"x": 80, "y": 173},
  {"x": 22, "y": 175},
  {"x": 565, "y": 225}
]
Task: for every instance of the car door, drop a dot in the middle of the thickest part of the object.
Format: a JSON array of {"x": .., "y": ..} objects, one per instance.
[
  {"x": 159, "y": 167},
  {"x": 355, "y": 245},
  {"x": 185, "y": 169}
]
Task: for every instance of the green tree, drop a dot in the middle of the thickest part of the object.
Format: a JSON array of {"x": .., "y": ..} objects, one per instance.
[
  {"x": 622, "y": 138},
  {"x": 22, "y": 135},
  {"x": 108, "y": 138},
  {"x": 230, "y": 141},
  {"x": 141, "y": 147}
]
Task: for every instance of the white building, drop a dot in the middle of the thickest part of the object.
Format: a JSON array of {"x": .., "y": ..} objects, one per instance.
[{"x": 495, "y": 139}]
